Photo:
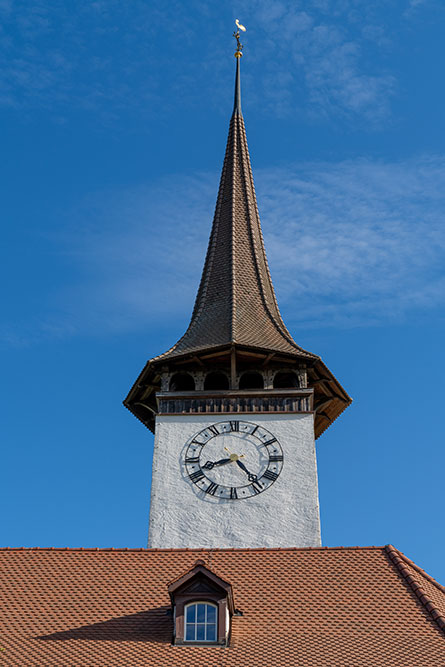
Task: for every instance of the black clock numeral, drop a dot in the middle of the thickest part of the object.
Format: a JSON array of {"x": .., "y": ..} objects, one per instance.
[
  {"x": 255, "y": 429},
  {"x": 234, "y": 426},
  {"x": 212, "y": 488},
  {"x": 269, "y": 474},
  {"x": 256, "y": 487},
  {"x": 233, "y": 493},
  {"x": 196, "y": 442},
  {"x": 213, "y": 430},
  {"x": 196, "y": 476},
  {"x": 193, "y": 459},
  {"x": 275, "y": 457},
  {"x": 269, "y": 442}
]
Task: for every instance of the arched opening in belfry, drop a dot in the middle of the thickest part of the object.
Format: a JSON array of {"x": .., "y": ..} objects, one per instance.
[
  {"x": 216, "y": 380},
  {"x": 182, "y": 382},
  {"x": 251, "y": 380},
  {"x": 286, "y": 380}
]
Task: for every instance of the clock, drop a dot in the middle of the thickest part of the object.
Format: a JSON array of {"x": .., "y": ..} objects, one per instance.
[{"x": 233, "y": 460}]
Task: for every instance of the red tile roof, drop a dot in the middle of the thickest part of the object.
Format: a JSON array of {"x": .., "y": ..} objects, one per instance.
[{"x": 351, "y": 607}]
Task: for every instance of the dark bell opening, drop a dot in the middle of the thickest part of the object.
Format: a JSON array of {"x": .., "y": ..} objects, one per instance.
[
  {"x": 216, "y": 380},
  {"x": 251, "y": 381},
  {"x": 285, "y": 381},
  {"x": 182, "y": 382}
]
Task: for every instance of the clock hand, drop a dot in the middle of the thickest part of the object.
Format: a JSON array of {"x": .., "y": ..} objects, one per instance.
[
  {"x": 242, "y": 466},
  {"x": 211, "y": 464},
  {"x": 222, "y": 462},
  {"x": 250, "y": 476}
]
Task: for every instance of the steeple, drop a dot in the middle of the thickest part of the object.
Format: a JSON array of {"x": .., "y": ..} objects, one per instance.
[
  {"x": 236, "y": 303},
  {"x": 235, "y": 318}
]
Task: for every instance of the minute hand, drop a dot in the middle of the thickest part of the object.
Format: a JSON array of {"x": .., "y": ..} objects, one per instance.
[{"x": 251, "y": 478}]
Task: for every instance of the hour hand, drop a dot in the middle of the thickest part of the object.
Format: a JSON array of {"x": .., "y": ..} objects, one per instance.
[
  {"x": 211, "y": 464},
  {"x": 222, "y": 462}
]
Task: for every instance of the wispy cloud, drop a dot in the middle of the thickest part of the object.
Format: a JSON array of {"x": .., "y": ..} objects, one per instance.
[
  {"x": 358, "y": 242},
  {"x": 416, "y": 3},
  {"x": 355, "y": 243},
  {"x": 316, "y": 57},
  {"x": 320, "y": 45}
]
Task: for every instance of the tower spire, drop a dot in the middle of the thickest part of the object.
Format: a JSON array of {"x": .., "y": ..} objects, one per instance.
[
  {"x": 236, "y": 315},
  {"x": 236, "y": 303}
]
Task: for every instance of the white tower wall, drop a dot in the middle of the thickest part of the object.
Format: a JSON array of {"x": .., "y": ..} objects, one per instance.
[{"x": 284, "y": 515}]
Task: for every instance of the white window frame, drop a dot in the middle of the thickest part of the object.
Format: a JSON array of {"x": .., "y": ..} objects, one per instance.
[{"x": 208, "y": 604}]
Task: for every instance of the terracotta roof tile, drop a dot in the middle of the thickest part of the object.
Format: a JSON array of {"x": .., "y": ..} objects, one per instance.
[
  {"x": 430, "y": 593},
  {"x": 326, "y": 607}
]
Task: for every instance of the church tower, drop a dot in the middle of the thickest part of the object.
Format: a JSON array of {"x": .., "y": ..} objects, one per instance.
[{"x": 235, "y": 405}]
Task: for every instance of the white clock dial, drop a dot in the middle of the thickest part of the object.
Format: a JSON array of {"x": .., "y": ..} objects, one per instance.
[{"x": 233, "y": 459}]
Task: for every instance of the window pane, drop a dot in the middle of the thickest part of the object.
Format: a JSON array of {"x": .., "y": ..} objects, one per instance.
[
  {"x": 211, "y": 633},
  {"x": 190, "y": 633},
  {"x": 201, "y": 613},
  {"x": 200, "y": 632},
  {"x": 211, "y": 614},
  {"x": 191, "y": 614}
]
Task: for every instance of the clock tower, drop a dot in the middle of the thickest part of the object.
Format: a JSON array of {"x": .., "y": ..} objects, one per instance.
[{"x": 235, "y": 405}]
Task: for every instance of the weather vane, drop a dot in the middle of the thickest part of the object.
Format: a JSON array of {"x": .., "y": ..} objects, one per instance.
[{"x": 239, "y": 46}]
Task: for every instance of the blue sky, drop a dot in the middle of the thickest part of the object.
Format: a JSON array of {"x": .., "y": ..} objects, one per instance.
[{"x": 115, "y": 117}]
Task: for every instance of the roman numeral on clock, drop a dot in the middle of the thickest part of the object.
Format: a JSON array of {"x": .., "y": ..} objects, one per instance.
[
  {"x": 234, "y": 426},
  {"x": 213, "y": 430},
  {"x": 196, "y": 476},
  {"x": 269, "y": 442},
  {"x": 256, "y": 487},
  {"x": 193, "y": 459},
  {"x": 275, "y": 457},
  {"x": 212, "y": 488},
  {"x": 233, "y": 493},
  {"x": 269, "y": 474}
]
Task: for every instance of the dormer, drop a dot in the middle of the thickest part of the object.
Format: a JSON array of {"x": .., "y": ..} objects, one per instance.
[{"x": 202, "y": 606}]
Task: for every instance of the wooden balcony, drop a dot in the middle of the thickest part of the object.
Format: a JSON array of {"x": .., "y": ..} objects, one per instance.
[{"x": 235, "y": 401}]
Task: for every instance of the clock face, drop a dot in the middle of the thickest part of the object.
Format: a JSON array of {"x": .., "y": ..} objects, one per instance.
[{"x": 233, "y": 460}]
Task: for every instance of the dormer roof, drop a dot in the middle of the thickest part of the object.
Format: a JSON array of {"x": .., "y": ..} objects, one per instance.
[{"x": 199, "y": 579}]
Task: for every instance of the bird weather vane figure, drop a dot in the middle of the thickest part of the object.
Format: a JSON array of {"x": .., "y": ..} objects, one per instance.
[{"x": 236, "y": 34}]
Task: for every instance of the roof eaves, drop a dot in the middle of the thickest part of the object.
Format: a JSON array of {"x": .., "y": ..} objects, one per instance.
[
  {"x": 400, "y": 562},
  {"x": 331, "y": 421},
  {"x": 197, "y": 550}
]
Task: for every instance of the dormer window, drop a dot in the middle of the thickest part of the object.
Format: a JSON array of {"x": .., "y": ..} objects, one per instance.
[
  {"x": 200, "y": 622},
  {"x": 202, "y": 605}
]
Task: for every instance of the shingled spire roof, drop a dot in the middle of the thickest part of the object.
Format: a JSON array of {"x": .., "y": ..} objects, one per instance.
[{"x": 236, "y": 302}]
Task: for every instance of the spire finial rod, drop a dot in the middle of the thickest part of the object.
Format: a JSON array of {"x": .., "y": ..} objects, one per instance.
[{"x": 238, "y": 55}]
